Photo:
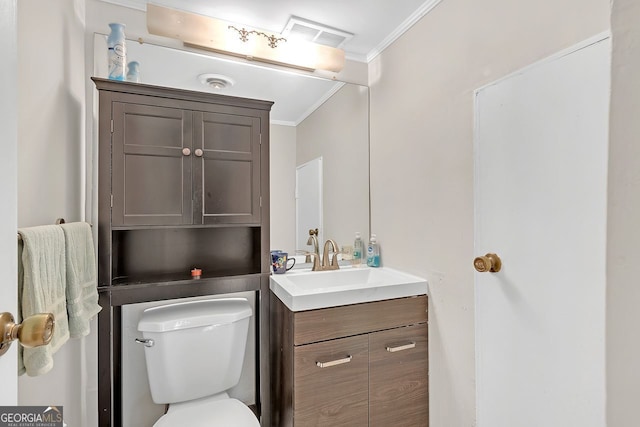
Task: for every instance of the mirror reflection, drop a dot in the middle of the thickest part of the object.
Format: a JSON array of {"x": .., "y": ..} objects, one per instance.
[{"x": 319, "y": 138}]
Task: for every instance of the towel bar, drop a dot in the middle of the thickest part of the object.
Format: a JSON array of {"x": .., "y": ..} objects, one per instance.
[{"x": 58, "y": 222}]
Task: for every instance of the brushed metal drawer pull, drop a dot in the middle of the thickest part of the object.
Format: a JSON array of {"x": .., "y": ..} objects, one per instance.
[
  {"x": 390, "y": 349},
  {"x": 333, "y": 362}
]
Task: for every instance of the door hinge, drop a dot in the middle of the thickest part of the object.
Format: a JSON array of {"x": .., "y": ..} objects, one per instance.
[
  {"x": 111, "y": 125},
  {"x": 260, "y": 201},
  {"x": 260, "y": 139},
  {"x": 112, "y": 200}
]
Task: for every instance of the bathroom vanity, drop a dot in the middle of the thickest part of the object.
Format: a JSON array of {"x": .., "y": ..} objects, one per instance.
[
  {"x": 182, "y": 188},
  {"x": 362, "y": 364}
]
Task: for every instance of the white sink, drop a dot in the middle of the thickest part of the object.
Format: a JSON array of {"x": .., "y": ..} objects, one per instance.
[{"x": 307, "y": 290}]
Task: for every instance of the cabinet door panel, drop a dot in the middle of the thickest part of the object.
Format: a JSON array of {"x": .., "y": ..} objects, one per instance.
[
  {"x": 151, "y": 177},
  {"x": 335, "y": 395},
  {"x": 398, "y": 377},
  {"x": 231, "y": 184},
  {"x": 227, "y": 174},
  {"x": 153, "y": 194}
]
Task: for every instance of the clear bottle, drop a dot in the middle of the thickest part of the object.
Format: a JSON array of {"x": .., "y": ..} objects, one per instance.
[
  {"x": 117, "y": 52},
  {"x": 133, "y": 72},
  {"x": 373, "y": 252},
  {"x": 358, "y": 251}
]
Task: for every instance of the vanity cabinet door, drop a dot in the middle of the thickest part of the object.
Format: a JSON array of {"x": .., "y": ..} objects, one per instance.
[
  {"x": 151, "y": 165},
  {"x": 226, "y": 168},
  {"x": 398, "y": 377},
  {"x": 331, "y": 383}
]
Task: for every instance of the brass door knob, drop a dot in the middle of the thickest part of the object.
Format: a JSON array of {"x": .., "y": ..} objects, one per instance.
[
  {"x": 34, "y": 331},
  {"x": 489, "y": 262}
]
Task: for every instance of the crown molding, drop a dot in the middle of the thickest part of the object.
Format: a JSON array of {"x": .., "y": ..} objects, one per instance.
[{"x": 403, "y": 28}]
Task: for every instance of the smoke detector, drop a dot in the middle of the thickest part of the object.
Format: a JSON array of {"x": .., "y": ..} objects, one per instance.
[{"x": 216, "y": 81}]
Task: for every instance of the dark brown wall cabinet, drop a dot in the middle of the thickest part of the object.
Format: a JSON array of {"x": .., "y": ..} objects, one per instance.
[
  {"x": 358, "y": 365},
  {"x": 173, "y": 166},
  {"x": 182, "y": 183}
]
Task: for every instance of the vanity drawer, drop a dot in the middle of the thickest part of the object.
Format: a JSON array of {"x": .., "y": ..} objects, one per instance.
[
  {"x": 331, "y": 383},
  {"x": 337, "y": 322}
]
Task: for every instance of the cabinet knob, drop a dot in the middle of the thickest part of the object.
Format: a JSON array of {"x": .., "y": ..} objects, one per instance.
[
  {"x": 198, "y": 152},
  {"x": 186, "y": 151}
]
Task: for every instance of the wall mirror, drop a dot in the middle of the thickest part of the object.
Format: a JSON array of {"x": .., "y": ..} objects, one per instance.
[{"x": 312, "y": 118}]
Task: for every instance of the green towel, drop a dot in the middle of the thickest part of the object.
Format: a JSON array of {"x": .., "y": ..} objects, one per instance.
[
  {"x": 82, "y": 281},
  {"x": 42, "y": 290}
]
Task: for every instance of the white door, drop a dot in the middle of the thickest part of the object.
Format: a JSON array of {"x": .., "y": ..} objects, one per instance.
[
  {"x": 540, "y": 204},
  {"x": 308, "y": 202},
  {"x": 8, "y": 192}
]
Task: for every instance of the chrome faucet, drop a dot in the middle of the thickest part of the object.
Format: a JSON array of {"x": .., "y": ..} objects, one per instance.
[{"x": 313, "y": 240}]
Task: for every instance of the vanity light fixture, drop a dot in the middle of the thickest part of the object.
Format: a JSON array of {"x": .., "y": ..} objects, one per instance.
[
  {"x": 244, "y": 36},
  {"x": 212, "y": 34}
]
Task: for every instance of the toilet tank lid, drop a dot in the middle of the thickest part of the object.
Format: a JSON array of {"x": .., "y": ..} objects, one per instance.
[{"x": 194, "y": 314}]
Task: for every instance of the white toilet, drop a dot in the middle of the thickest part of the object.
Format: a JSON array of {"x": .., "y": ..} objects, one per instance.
[{"x": 194, "y": 352}]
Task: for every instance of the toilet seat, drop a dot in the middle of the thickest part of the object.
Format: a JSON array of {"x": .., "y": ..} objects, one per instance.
[{"x": 217, "y": 413}]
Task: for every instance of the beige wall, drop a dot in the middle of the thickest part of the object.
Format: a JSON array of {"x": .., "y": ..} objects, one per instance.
[
  {"x": 51, "y": 111},
  {"x": 338, "y": 131},
  {"x": 282, "y": 176},
  {"x": 422, "y": 160},
  {"x": 623, "y": 269},
  {"x": 51, "y": 172}
]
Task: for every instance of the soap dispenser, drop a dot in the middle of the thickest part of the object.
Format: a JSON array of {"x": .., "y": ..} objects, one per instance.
[
  {"x": 373, "y": 252},
  {"x": 358, "y": 251}
]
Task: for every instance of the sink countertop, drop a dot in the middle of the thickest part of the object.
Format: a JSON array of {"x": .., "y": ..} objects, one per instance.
[{"x": 303, "y": 289}]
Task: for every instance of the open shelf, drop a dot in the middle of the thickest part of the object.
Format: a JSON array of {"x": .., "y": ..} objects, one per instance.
[{"x": 150, "y": 255}]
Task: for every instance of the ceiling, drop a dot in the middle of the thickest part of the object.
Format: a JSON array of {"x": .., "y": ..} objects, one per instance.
[{"x": 374, "y": 25}]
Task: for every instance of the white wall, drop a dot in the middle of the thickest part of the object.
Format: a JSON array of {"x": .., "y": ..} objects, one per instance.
[
  {"x": 282, "y": 182},
  {"x": 337, "y": 132},
  {"x": 623, "y": 268},
  {"x": 51, "y": 149},
  {"x": 421, "y": 157},
  {"x": 51, "y": 111}
]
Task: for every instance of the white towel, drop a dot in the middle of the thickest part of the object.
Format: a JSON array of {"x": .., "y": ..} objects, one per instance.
[
  {"x": 43, "y": 291},
  {"x": 82, "y": 281}
]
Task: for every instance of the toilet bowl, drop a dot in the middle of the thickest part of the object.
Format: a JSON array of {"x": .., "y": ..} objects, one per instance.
[
  {"x": 218, "y": 412},
  {"x": 194, "y": 352}
]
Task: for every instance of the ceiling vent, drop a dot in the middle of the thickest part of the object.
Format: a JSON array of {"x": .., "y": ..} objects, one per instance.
[{"x": 313, "y": 32}]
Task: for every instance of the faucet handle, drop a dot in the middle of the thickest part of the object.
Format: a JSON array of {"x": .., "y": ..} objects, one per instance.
[{"x": 334, "y": 260}]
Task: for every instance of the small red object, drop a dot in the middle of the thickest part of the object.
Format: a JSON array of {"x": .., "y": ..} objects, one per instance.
[{"x": 196, "y": 272}]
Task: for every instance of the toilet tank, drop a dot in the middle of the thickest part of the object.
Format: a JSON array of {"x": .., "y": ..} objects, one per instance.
[{"x": 198, "y": 347}]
